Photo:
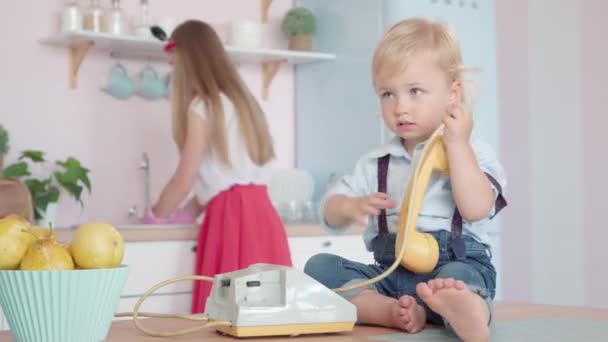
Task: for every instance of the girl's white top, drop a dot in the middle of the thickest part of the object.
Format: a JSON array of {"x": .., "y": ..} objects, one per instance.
[{"x": 214, "y": 176}]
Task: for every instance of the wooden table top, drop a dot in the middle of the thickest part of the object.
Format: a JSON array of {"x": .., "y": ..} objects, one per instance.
[{"x": 123, "y": 331}]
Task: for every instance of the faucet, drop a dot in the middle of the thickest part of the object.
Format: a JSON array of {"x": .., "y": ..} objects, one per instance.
[{"x": 144, "y": 165}]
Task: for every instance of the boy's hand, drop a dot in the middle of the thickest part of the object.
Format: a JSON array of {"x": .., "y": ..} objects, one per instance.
[
  {"x": 359, "y": 208},
  {"x": 458, "y": 125}
]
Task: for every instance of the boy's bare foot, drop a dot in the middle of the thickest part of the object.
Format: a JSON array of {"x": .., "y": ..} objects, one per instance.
[
  {"x": 408, "y": 315},
  {"x": 467, "y": 313},
  {"x": 404, "y": 313}
]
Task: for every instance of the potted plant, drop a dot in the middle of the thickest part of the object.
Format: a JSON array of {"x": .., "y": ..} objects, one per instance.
[
  {"x": 68, "y": 175},
  {"x": 4, "y": 146},
  {"x": 299, "y": 24}
]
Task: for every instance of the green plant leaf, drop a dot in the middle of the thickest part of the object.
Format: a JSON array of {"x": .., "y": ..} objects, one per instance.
[
  {"x": 42, "y": 200},
  {"x": 70, "y": 163},
  {"x": 69, "y": 181},
  {"x": 73, "y": 178},
  {"x": 37, "y": 186},
  {"x": 84, "y": 178},
  {"x": 38, "y": 213},
  {"x": 74, "y": 190},
  {"x": 16, "y": 170},
  {"x": 35, "y": 156},
  {"x": 74, "y": 172},
  {"x": 68, "y": 176},
  {"x": 53, "y": 195},
  {"x": 4, "y": 141}
]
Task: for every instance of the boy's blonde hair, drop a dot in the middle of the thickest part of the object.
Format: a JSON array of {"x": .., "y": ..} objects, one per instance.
[
  {"x": 202, "y": 68},
  {"x": 415, "y": 36}
]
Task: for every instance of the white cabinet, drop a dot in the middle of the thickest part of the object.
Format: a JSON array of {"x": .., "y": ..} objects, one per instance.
[
  {"x": 151, "y": 263},
  {"x": 176, "y": 303},
  {"x": 347, "y": 246},
  {"x": 169, "y": 303}
]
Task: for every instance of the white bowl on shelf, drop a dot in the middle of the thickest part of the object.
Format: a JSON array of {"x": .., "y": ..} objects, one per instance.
[{"x": 245, "y": 34}]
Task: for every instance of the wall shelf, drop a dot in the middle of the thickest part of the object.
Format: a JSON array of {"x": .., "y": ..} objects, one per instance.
[{"x": 80, "y": 42}]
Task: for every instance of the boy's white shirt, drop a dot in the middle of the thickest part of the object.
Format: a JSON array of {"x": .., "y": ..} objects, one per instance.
[{"x": 438, "y": 205}]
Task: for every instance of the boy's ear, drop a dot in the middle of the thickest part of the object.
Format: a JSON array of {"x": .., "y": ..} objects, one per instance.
[{"x": 456, "y": 92}]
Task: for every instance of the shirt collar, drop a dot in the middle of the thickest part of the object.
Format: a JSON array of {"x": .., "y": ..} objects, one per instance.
[{"x": 394, "y": 148}]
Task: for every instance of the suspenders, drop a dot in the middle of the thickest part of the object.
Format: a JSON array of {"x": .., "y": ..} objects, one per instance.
[{"x": 457, "y": 243}]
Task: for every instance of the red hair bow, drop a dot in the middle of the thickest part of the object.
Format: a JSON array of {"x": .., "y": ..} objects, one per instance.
[{"x": 169, "y": 46}]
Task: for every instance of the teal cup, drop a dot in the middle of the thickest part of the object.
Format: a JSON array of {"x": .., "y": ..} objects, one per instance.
[
  {"x": 150, "y": 85},
  {"x": 118, "y": 83},
  {"x": 61, "y": 306}
]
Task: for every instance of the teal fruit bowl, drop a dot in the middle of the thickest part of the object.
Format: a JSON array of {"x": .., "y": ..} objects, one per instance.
[{"x": 61, "y": 306}]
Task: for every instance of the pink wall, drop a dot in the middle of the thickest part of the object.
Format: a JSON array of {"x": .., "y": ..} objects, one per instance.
[
  {"x": 594, "y": 74},
  {"x": 106, "y": 134},
  {"x": 519, "y": 249},
  {"x": 513, "y": 102}
]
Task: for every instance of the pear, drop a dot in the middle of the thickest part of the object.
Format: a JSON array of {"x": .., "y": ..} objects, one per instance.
[
  {"x": 36, "y": 232},
  {"x": 46, "y": 254},
  {"x": 97, "y": 245},
  {"x": 14, "y": 241}
]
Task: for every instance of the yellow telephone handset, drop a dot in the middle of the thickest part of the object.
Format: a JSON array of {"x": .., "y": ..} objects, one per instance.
[
  {"x": 415, "y": 251},
  {"x": 421, "y": 249}
]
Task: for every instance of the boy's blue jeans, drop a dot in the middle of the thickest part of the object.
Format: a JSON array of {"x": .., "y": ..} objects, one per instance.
[{"x": 476, "y": 271}]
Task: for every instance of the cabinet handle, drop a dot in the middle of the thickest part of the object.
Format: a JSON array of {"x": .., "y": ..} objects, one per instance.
[
  {"x": 327, "y": 244},
  {"x": 193, "y": 249}
]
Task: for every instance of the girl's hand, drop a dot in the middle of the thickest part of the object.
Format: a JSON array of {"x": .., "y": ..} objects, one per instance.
[
  {"x": 182, "y": 216},
  {"x": 179, "y": 216},
  {"x": 150, "y": 218},
  {"x": 360, "y": 208},
  {"x": 458, "y": 125}
]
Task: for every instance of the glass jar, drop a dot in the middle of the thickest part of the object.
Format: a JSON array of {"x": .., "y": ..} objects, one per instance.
[
  {"x": 116, "y": 23},
  {"x": 71, "y": 19},
  {"x": 143, "y": 20},
  {"x": 94, "y": 17},
  {"x": 144, "y": 15}
]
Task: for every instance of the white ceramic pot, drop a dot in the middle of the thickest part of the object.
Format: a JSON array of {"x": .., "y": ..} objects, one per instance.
[
  {"x": 50, "y": 216},
  {"x": 246, "y": 34}
]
